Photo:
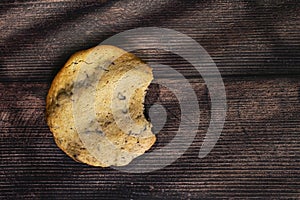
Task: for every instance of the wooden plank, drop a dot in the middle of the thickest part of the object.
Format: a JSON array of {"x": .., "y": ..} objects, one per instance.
[
  {"x": 244, "y": 38},
  {"x": 256, "y": 155},
  {"x": 256, "y": 46}
]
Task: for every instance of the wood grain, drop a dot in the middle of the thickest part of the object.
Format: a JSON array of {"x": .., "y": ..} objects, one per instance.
[
  {"x": 256, "y": 46},
  {"x": 257, "y": 154},
  {"x": 243, "y": 38}
]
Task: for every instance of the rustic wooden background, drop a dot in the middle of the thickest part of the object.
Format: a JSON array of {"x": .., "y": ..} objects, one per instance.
[{"x": 256, "y": 46}]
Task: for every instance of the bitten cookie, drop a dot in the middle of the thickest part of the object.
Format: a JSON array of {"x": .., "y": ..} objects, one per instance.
[{"x": 119, "y": 133}]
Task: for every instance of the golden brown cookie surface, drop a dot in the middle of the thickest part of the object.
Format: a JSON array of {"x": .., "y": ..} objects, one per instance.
[{"x": 118, "y": 145}]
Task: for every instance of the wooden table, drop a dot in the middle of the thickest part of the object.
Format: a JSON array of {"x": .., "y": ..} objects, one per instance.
[{"x": 256, "y": 47}]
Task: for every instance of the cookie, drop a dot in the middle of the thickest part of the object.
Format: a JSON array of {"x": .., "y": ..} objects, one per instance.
[{"x": 119, "y": 132}]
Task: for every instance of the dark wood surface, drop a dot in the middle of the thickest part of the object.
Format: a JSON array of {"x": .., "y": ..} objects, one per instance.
[{"x": 256, "y": 46}]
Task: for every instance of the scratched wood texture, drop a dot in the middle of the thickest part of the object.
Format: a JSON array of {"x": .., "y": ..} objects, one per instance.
[{"x": 256, "y": 46}]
